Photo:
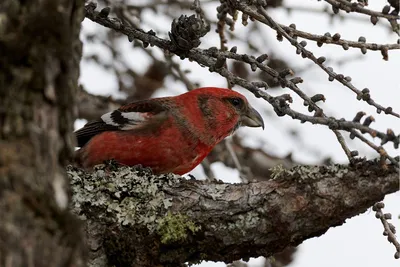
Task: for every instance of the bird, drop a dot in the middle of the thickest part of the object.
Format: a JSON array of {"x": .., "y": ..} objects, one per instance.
[{"x": 167, "y": 134}]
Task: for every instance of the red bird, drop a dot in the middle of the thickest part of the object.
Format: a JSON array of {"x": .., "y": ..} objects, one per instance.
[{"x": 168, "y": 134}]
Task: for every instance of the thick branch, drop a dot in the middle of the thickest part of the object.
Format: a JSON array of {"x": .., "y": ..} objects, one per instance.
[{"x": 134, "y": 218}]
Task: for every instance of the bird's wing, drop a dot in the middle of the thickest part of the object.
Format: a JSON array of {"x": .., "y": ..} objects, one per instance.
[{"x": 128, "y": 117}]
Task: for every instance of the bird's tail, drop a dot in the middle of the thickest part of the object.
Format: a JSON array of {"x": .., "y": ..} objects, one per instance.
[{"x": 78, "y": 158}]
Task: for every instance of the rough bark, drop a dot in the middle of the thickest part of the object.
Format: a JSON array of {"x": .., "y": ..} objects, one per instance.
[
  {"x": 134, "y": 218},
  {"x": 39, "y": 67}
]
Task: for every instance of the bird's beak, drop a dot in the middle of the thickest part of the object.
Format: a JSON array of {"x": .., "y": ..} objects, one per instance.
[{"x": 252, "y": 118}]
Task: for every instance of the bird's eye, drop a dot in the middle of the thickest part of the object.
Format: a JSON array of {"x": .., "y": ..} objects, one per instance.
[{"x": 236, "y": 102}]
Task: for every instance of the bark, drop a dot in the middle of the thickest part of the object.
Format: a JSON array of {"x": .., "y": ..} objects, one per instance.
[
  {"x": 39, "y": 67},
  {"x": 134, "y": 218}
]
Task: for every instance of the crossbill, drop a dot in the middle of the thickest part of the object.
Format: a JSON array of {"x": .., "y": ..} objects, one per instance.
[{"x": 168, "y": 134}]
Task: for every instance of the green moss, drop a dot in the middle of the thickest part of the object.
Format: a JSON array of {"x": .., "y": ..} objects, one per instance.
[{"x": 175, "y": 227}]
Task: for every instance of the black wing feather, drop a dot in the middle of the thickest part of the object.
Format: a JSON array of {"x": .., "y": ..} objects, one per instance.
[{"x": 91, "y": 129}]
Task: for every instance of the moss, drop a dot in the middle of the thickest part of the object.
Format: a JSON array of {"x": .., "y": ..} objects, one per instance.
[{"x": 175, "y": 227}]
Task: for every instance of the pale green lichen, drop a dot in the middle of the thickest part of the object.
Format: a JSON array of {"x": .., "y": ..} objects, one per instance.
[
  {"x": 175, "y": 228},
  {"x": 131, "y": 196},
  {"x": 244, "y": 222},
  {"x": 216, "y": 191},
  {"x": 276, "y": 171},
  {"x": 303, "y": 172}
]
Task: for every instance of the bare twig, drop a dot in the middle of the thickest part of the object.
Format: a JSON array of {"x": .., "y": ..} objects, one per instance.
[
  {"x": 346, "y": 81},
  {"x": 390, "y": 230},
  {"x": 359, "y": 8},
  {"x": 210, "y": 57}
]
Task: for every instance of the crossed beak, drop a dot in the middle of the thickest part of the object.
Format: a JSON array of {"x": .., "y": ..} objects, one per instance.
[{"x": 252, "y": 118}]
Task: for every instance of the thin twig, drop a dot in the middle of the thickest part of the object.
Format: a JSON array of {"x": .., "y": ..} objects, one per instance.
[
  {"x": 390, "y": 230},
  {"x": 209, "y": 58}
]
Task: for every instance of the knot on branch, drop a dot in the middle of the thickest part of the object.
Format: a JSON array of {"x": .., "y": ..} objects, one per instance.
[
  {"x": 333, "y": 124},
  {"x": 314, "y": 99},
  {"x": 391, "y": 136},
  {"x": 186, "y": 32},
  {"x": 281, "y": 105}
]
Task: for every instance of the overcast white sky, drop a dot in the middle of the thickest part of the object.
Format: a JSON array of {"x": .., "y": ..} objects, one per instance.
[{"x": 359, "y": 242}]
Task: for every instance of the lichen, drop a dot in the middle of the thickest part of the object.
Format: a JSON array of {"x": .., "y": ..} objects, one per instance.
[
  {"x": 129, "y": 195},
  {"x": 244, "y": 222},
  {"x": 276, "y": 171},
  {"x": 302, "y": 172},
  {"x": 175, "y": 228},
  {"x": 216, "y": 191}
]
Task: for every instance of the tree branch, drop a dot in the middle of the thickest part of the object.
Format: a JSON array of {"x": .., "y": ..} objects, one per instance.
[{"x": 134, "y": 218}]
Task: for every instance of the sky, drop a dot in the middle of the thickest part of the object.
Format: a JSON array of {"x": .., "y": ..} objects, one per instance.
[{"x": 359, "y": 242}]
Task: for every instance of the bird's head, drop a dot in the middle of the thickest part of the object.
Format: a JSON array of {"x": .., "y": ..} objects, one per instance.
[{"x": 223, "y": 110}]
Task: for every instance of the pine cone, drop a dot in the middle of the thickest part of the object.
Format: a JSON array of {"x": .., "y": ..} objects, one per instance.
[{"x": 186, "y": 32}]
